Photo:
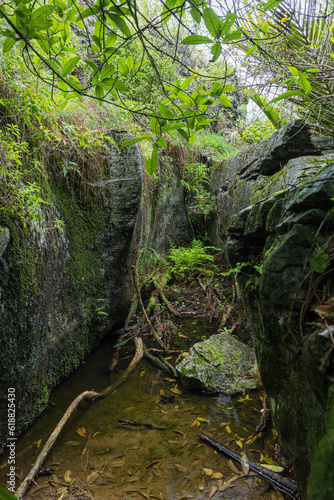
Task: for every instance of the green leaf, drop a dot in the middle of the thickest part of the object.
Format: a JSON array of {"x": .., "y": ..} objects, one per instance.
[
  {"x": 186, "y": 82},
  {"x": 6, "y": 495},
  {"x": 107, "y": 71},
  {"x": 251, "y": 50},
  {"x": 192, "y": 139},
  {"x": 165, "y": 111},
  {"x": 216, "y": 50},
  {"x": 155, "y": 125},
  {"x": 99, "y": 92},
  {"x": 303, "y": 83},
  {"x": 120, "y": 23},
  {"x": 227, "y": 24},
  {"x": 183, "y": 134},
  {"x": 293, "y": 70},
  {"x": 162, "y": 142},
  {"x": 111, "y": 39},
  {"x": 285, "y": 95},
  {"x": 118, "y": 84},
  {"x": 271, "y": 4},
  {"x": 9, "y": 42},
  {"x": 41, "y": 13},
  {"x": 151, "y": 165},
  {"x": 223, "y": 99},
  {"x": 319, "y": 261},
  {"x": 69, "y": 65},
  {"x": 196, "y": 40},
  {"x": 196, "y": 15},
  {"x": 212, "y": 22},
  {"x": 129, "y": 142}
]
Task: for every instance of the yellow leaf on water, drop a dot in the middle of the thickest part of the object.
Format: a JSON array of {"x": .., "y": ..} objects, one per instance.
[
  {"x": 82, "y": 432},
  {"x": 228, "y": 429},
  {"x": 96, "y": 433},
  {"x": 171, "y": 379},
  {"x": 142, "y": 373},
  {"x": 251, "y": 439},
  {"x": 182, "y": 336},
  {"x": 176, "y": 390},
  {"x": 217, "y": 475},
  {"x": 195, "y": 423},
  {"x": 228, "y": 483},
  {"x": 38, "y": 443},
  {"x": 201, "y": 419},
  {"x": 165, "y": 412},
  {"x": 233, "y": 467},
  {"x": 67, "y": 476},
  {"x": 212, "y": 491},
  {"x": 173, "y": 442},
  {"x": 201, "y": 486},
  {"x": 206, "y": 471},
  {"x": 169, "y": 357},
  {"x": 274, "y": 468},
  {"x": 224, "y": 423},
  {"x": 92, "y": 477},
  {"x": 130, "y": 408},
  {"x": 162, "y": 392},
  {"x": 239, "y": 443}
]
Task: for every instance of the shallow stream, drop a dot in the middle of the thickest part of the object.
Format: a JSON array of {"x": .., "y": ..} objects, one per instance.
[{"x": 97, "y": 457}]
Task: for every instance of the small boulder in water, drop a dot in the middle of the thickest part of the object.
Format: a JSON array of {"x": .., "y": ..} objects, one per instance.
[{"x": 219, "y": 364}]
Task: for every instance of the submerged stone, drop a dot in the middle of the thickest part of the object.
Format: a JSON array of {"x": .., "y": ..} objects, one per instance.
[{"x": 219, "y": 364}]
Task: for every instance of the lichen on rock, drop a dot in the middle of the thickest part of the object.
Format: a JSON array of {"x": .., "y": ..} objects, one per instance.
[{"x": 219, "y": 364}]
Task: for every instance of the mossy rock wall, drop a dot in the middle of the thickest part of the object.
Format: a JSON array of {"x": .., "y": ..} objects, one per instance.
[
  {"x": 282, "y": 160},
  {"x": 291, "y": 235},
  {"x": 54, "y": 285}
]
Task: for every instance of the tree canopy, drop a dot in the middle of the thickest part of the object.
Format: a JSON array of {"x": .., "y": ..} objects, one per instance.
[{"x": 105, "y": 49}]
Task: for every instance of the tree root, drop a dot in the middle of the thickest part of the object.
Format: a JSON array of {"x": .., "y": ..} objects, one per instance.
[
  {"x": 84, "y": 396},
  {"x": 159, "y": 287}
]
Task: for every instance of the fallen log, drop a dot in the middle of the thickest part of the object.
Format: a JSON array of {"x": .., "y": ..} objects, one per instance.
[
  {"x": 273, "y": 477},
  {"x": 84, "y": 396},
  {"x": 157, "y": 361}
]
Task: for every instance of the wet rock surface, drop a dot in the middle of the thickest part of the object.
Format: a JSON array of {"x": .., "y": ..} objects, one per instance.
[{"x": 219, "y": 364}]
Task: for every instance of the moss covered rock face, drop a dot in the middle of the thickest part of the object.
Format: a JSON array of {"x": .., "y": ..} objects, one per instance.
[
  {"x": 291, "y": 235},
  {"x": 60, "y": 292},
  {"x": 219, "y": 364}
]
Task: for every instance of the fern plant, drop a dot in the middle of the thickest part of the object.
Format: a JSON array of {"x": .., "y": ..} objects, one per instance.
[{"x": 186, "y": 262}]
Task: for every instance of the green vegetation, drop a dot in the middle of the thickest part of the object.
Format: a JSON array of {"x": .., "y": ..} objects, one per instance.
[{"x": 185, "y": 262}]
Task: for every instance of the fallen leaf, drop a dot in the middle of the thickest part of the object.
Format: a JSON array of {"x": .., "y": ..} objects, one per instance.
[
  {"x": 182, "y": 433},
  {"x": 38, "y": 443},
  {"x": 171, "y": 379},
  {"x": 239, "y": 443},
  {"x": 180, "y": 468},
  {"x": 323, "y": 310},
  {"x": 73, "y": 443},
  {"x": 82, "y": 432},
  {"x": 228, "y": 483},
  {"x": 130, "y": 408},
  {"x": 176, "y": 391},
  {"x": 206, "y": 471},
  {"x": 95, "y": 434},
  {"x": 233, "y": 467},
  {"x": 67, "y": 476},
  {"x": 173, "y": 442},
  {"x": 182, "y": 336},
  {"x": 251, "y": 439},
  {"x": 142, "y": 373},
  {"x": 274, "y": 468},
  {"x": 117, "y": 463},
  {"x": 165, "y": 412},
  {"x": 244, "y": 465},
  {"x": 195, "y": 423},
  {"x": 217, "y": 475},
  {"x": 201, "y": 419},
  {"x": 92, "y": 477},
  {"x": 212, "y": 491},
  {"x": 132, "y": 479},
  {"x": 184, "y": 444},
  {"x": 224, "y": 423},
  {"x": 201, "y": 486},
  {"x": 228, "y": 429},
  {"x": 162, "y": 392}
]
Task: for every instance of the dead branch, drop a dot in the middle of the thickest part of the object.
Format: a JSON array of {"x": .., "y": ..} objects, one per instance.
[
  {"x": 84, "y": 396},
  {"x": 162, "y": 295},
  {"x": 277, "y": 479}
]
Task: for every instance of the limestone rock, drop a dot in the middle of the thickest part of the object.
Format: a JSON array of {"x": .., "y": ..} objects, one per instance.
[{"x": 220, "y": 364}]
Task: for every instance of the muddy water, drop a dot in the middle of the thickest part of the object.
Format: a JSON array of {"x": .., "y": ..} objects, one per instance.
[{"x": 97, "y": 457}]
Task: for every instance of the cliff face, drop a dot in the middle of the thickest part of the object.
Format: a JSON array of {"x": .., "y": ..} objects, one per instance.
[
  {"x": 274, "y": 211},
  {"x": 61, "y": 292}
]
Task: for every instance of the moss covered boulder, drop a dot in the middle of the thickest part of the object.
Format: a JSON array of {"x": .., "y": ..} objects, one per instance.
[{"x": 219, "y": 364}]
